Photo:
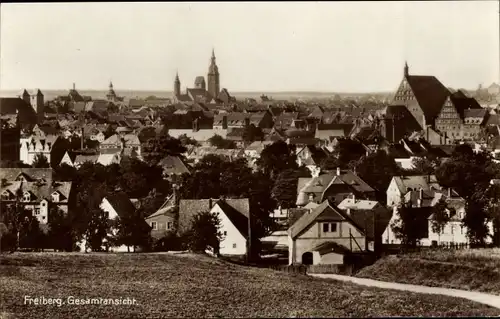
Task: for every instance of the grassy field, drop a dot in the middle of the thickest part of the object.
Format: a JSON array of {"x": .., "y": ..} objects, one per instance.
[
  {"x": 197, "y": 286},
  {"x": 473, "y": 269}
]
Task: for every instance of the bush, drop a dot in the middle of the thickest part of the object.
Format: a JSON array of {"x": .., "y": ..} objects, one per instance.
[{"x": 170, "y": 242}]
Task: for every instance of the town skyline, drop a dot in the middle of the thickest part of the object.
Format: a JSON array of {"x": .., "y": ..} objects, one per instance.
[{"x": 291, "y": 57}]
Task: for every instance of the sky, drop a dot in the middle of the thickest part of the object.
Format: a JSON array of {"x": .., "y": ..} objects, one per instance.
[{"x": 271, "y": 47}]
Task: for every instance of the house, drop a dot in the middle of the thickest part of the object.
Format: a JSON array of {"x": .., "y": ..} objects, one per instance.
[
  {"x": 173, "y": 165},
  {"x": 84, "y": 158},
  {"x": 116, "y": 206},
  {"x": 253, "y": 150},
  {"x": 231, "y": 120},
  {"x": 126, "y": 142},
  {"x": 200, "y": 135},
  {"x": 325, "y": 236},
  {"x": 334, "y": 186},
  {"x": 400, "y": 185},
  {"x": 163, "y": 221},
  {"x": 68, "y": 159},
  {"x": 423, "y": 95},
  {"x": 36, "y": 189},
  {"x": 326, "y": 132},
  {"x": 235, "y": 227},
  {"x": 109, "y": 156},
  {"x": 371, "y": 215},
  {"x": 421, "y": 202},
  {"x": 50, "y": 146},
  {"x": 311, "y": 157}
]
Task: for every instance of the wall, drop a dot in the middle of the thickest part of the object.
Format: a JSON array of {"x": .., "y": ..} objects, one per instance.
[
  {"x": 393, "y": 194},
  {"x": 232, "y": 235},
  {"x": 162, "y": 225},
  {"x": 331, "y": 259},
  {"x": 314, "y": 236}
]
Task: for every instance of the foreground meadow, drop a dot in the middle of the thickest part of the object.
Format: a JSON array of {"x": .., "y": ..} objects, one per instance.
[
  {"x": 197, "y": 286},
  {"x": 468, "y": 269}
]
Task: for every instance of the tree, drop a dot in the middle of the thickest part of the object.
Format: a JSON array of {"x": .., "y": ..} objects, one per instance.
[
  {"x": 440, "y": 217},
  {"x": 60, "y": 235},
  {"x": 424, "y": 166},
  {"x": 133, "y": 231},
  {"x": 40, "y": 161},
  {"x": 30, "y": 234},
  {"x": 252, "y": 133},
  {"x": 470, "y": 173},
  {"x": 345, "y": 152},
  {"x": 377, "y": 170},
  {"x": 158, "y": 148},
  {"x": 185, "y": 140},
  {"x": 204, "y": 233},
  {"x": 284, "y": 191},
  {"x": 146, "y": 134},
  {"x": 409, "y": 225},
  {"x": 65, "y": 172},
  {"x": 13, "y": 164},
  {"x": 220, "y": 142},
  {"x": 276, "y": 158}
]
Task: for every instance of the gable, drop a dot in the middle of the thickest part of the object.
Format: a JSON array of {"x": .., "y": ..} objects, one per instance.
[
  {"x": 404, "y": 92},
  {"x": 449, "y": 111},
  {"x": 329, "y": 214}
]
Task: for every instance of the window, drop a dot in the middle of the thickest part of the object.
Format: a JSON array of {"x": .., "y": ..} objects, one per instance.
[
  {"x": 37, "y": 211},
  {"x": 44, "y": 203},
  {"x": 26, "y": 197},
  {"x": 234, "y": 245},
  {"x": 169, "y": 225},
  {"x": 225, "y": 233},
  {"x": 329, "y": 227},
  {"x": 154, "y": 225},
  {"x": 326, "y": 227}
]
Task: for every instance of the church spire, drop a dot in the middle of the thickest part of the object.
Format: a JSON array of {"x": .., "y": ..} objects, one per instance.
[
  {"x": 177, "y": 84},
  {"x": 406, "y": 69}
]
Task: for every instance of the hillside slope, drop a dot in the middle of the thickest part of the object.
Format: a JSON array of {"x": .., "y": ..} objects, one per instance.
[
  {"x": 197, "y": 286},
  {"x": 459, "y": 270}
]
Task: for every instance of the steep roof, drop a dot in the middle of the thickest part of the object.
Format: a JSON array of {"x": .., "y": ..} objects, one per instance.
[
  {"x": 416, "y": 182},
  {"x": 30, "y": 174},
  {"x": 10, "y": 105},
  {"x": 167, "y": 208},
  {"x": 237, "y": 214},
  {"x": 173, "y": 165},
  {"x": 121, "y": 204},
  {"x": 430, "y": 94}
]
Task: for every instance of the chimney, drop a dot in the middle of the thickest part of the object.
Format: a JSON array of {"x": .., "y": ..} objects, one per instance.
[
  {"x": 419, "y": 202},
  {"x": 421, "y": 193},
  {"x": 82, "y": 139},
  {"x": 224, "y": 122},
  {"x": 348, "y": 212},
  {"x": 353, "y": 197},
  {"x": 338, "y": 171},
  {"x": 195, "y": 125},
  {"x": 74, "y": 86},
  {"x": 176, "y": 199},
  {"x": 449, "y": 192},
  {"x": 122, "y": 143},
  {"x": 210, "y": 203}
]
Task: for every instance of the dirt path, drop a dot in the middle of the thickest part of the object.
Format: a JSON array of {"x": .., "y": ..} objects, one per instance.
[{"x": 481, "y": 297}]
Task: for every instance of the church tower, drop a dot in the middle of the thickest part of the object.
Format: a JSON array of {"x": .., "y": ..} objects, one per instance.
[
  {"x": 407, "y": 69},
  {"x": 177, "y": 85},
  {"x": 213, "y": 77},
  {"x": 111, "y": 93}
]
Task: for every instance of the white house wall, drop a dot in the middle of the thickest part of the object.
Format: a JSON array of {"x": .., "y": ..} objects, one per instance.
[{"x": 233, "y": 235}]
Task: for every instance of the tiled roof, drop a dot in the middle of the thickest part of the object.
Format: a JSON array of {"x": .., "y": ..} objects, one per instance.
[
  {"x": 201, "y": 135},
  {"x": 173, "y": 165},
  {"x": 430, "y": 94},
  {"x": 188, "y": 208},
  {"x": 121, "y": 204},
  {"x": 238, "y": 212},
  {"x": 130, "y": 140},
  {"x": 31, "y": 174},
  {"x": 475, "y": 113},
  {"x": 306, "y": 219},
  {"x": 416, "y": 182},
  {"x": 16, "y": 105},
  {"x": 80, "y": 159}
]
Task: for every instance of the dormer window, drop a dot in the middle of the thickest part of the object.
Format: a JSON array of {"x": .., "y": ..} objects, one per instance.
[
  {"x": 5, "y": 195},
  {"x": 55, "y": 197},
  {"x": 26, "y": 197}
]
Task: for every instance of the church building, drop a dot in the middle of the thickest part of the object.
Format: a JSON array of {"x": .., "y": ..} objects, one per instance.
[{"x": 203, "y": 92}]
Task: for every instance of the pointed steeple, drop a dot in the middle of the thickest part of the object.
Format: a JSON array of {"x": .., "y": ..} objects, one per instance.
[
  {"x": 177, "y": 84},
  {"x": 110, "y": 85},
  {"x": 213, "y": 54},
  {"x": 406, "y": 69}
]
